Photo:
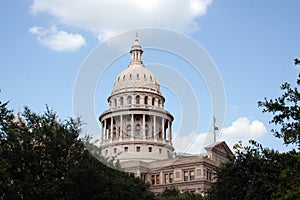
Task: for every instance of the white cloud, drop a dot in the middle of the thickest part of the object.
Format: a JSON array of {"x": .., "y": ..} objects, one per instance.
[
  {"x": 240, "y": 130},
  {"x": 56, "y": 39},
  {"x": 107, "y": 17}
]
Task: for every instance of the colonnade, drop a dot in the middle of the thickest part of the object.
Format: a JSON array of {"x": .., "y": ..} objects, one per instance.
[{"x": 131, "y": 126}]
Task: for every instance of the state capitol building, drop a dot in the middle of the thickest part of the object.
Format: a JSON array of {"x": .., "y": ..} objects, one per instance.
[{"x": 137, "y": 131}]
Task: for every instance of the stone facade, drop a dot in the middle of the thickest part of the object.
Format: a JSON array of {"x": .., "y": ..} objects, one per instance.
[{"x": 137, "y": 131}]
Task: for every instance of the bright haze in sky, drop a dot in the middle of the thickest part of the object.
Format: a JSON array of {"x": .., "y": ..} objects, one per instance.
[{"x": 253, "y": 44}]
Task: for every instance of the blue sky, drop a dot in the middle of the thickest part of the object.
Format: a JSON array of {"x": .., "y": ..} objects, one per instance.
[{"x": 252, "y": 43}]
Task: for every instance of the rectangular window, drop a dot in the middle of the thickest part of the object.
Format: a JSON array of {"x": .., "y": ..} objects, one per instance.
[
  {"x": 126, "y": 149},
  {"x": 115, "y": 150},
  {"x": 160, "y": 150},
  {"x": 192, "y": 175},
  {"x": 138, "y": 149},
  {"x": 157, "y": 179},
  {"x": 149, "y": 149},
  {"x": 166, "y": 178},
  {"x": 171, "y": 178},
  {"x": 185, "y": 175},
  {"x": 153, "y": 179}
]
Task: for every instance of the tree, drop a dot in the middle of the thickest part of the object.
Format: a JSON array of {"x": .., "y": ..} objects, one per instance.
[
  {"x": 174, "y": 194},
  {"x": 42, "y": 157},
  {"x": 258, "y": 173},
  {"x": 286, "y": 112},
  {"x": 262, "y": 173}
]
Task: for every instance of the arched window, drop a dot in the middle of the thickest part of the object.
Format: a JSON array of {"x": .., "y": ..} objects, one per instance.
[
  {"x": 153, "y": 101},
  {"x": 129, "y": 99},
  {"x": 146, "y": 100},
  {"x": 137, "y": 130},
  {"x": 147, "y": 130},
  {"x": 114, "y": 133},
  {"x": 121, "y": 101},
  {"x": 137, "y": 99},
  {"x": 129, "y": 130}
]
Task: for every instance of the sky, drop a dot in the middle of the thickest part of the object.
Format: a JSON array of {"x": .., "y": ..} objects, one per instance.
[{"x": 252, "y": 44}]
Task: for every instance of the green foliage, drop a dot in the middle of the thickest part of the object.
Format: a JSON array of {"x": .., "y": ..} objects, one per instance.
[
  {"x": 174, "y": 194},
  {"x": 258, "y": 173},
  {"x": 41, "y": 157},
  {"x": 286, "y": 112},
  {"x": 261, "y": 173}
]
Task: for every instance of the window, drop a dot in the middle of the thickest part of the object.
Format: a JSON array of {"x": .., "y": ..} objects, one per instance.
[
  {"x": 189, "y": 175},
  {"x": 115, "y": 150},
  {"x": 124, "y": 77},
  {"x": 137, "y": 99},
  {"x": 146, "y": 100},
  {"x": 149, "y": 149},
  {"x": 129, "y": 130},
  {"x": 125, "y": 149},
  {"x": 151, "y": 78},
  {"x": 153, "y": 179},
  {"x": 106, "y": 152},
  {"x": 129, "y": 99},
  {"x": 137, "y": 76},
  {"x": 153, "y": 101},
  {"x": 115, "y": 102},
  {"x": 146, "y": 130},
  {"x": 121, "y": 101},
  {"x": 158, "y": 103},
  {"x": 171, "y": 177},
  {"x": 157, "y": 179},
  {"x": 114, "y": 132},
  {"x": 137, "y": 130},
  {"x": 160, "y": 150},
  {"x": 138, "y": 149},
  {"x": 192, "y": 175},
  {"x": 166, "y": 178},
  {"x": 144, "y": 76},
  {"x": 130, "y": 75},
  {"x": 185, "y": 175}
]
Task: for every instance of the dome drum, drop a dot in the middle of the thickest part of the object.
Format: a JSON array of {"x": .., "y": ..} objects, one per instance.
[{"x": 136, "y": 125}]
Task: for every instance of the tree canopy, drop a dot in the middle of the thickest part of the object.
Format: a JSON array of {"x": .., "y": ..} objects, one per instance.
[
  {"x": 42, "y": 157},
  {"x": 257, "y": 172}
]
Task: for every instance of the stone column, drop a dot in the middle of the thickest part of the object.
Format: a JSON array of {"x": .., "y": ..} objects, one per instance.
[
  {"x": 154, "y": 131},
  {"x": 102, "y": 132},
  {"x": 163, "y": 128},
  {"x": 170, "y": 131},
  {"x": 144, "y": 134},
  {"x": 111, "y": 128},
  {"x": 121, "y": 127},
  {"x": 105, "y": 132},
  {"x": 132, "y": 128}
]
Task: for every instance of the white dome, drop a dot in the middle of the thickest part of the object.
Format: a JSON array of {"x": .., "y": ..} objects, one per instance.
[{"x": 136, "y": 78}]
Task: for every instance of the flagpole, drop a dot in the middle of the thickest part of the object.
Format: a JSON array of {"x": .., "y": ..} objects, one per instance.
[{"x": 214, "y": 129}]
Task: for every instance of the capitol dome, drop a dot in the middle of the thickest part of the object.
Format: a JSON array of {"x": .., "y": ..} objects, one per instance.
[
  {"x": 136, "y": 77},
  {"x": 136, "y": 126}
]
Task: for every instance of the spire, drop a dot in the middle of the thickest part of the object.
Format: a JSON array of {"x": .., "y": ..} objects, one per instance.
[{"x": 136, "y": 52}]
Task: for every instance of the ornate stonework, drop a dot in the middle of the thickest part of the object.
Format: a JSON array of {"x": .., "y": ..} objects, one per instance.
[
  {"x": 137, "y": 131},
  {"x": 136, "y": 126}
]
